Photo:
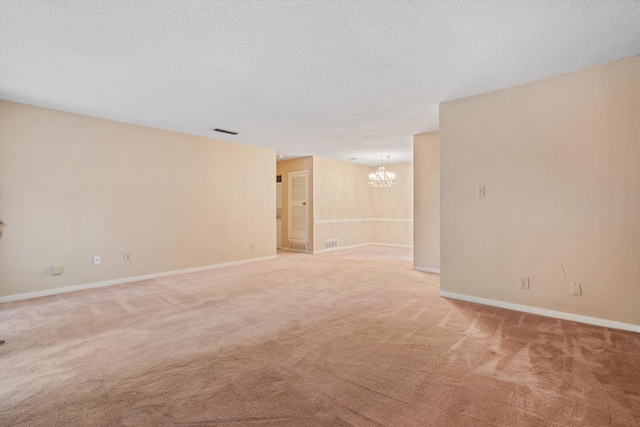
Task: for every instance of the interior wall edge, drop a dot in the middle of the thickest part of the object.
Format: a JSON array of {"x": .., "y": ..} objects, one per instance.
[
  {"x": 543, "y": 312},
  {"x": 427, "y": 269},
  {"x": 65, "y": 289},
  {"x": 340, "y": 248}
]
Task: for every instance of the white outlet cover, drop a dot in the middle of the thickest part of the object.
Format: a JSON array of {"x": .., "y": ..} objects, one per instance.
[
  {"x": 576, "y": 289},
  {"x": 96, "y": 259}
]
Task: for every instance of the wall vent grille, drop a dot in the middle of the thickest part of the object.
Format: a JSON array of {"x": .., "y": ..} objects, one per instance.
[
  {"x": 332, "y": 243},
  {"x": 298, "y": 246}
]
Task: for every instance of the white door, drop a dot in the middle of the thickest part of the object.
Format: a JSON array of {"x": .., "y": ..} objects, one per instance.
[{"x": 298, "y": 206}]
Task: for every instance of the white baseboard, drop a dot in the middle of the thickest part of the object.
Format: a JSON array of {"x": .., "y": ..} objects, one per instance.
[
  {"x": 340, "y": 248},
  {"x": 295, "y": 250},
  {"x": 392, "y": 245},
  {"x": 427, "y": 270},
  {"x": 544, "y": 312},
  {"x": 65, "y": 289}
]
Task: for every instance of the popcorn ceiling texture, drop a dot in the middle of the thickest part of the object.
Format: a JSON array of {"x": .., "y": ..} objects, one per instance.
[
  {"x": 337, "y": 79},
  {"x": 349, "y": 338}
]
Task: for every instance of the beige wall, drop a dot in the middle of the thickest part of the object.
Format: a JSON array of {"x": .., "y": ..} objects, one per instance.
[
  {"x": 341, "y": 196},
  {"x": 76, "y": 186},
  {"x": 347, "y": 209},
  {"x": 426, "y": 158},
  {"x": 393, "y": 207},
  {"x": 560, "y": 159},
  {"x": 284, "y": 167}
]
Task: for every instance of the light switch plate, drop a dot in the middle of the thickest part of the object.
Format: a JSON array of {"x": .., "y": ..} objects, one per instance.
[
  {"x": 576, "y": 289},
  {"x": 480, "y": 191}
]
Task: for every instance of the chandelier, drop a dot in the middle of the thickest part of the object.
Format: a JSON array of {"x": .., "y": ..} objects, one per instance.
[{"x": 382, "y": 178}]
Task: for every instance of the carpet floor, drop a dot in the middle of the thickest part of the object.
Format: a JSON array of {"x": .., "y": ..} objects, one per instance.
[{"x": 347, "y": 338}]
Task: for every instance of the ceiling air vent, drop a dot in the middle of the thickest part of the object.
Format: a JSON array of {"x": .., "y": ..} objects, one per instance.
[{"x": 230, "y": 132}]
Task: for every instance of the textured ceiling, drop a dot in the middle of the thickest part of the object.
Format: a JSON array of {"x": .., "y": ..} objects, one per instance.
[{"x": 337, "y": 79}]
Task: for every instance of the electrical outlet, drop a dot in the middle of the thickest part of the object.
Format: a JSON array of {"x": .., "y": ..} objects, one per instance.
[
  {"x": 480, "y": 191},
  {"x": 251, "y": 247},
  {"x": 57, "y": 270},
  {"x": 576, "y": 289},
  {"x": 96, "y": 259},
  {"x": 126, "y": 256},
  {"x": 524, "y": 283}
]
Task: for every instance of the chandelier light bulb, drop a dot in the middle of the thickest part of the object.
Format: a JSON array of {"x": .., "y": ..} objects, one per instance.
[{"x": 382, "y": 178}]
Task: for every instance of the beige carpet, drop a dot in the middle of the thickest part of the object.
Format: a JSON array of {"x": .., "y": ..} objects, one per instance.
[{"x": 354, "y": 337}]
